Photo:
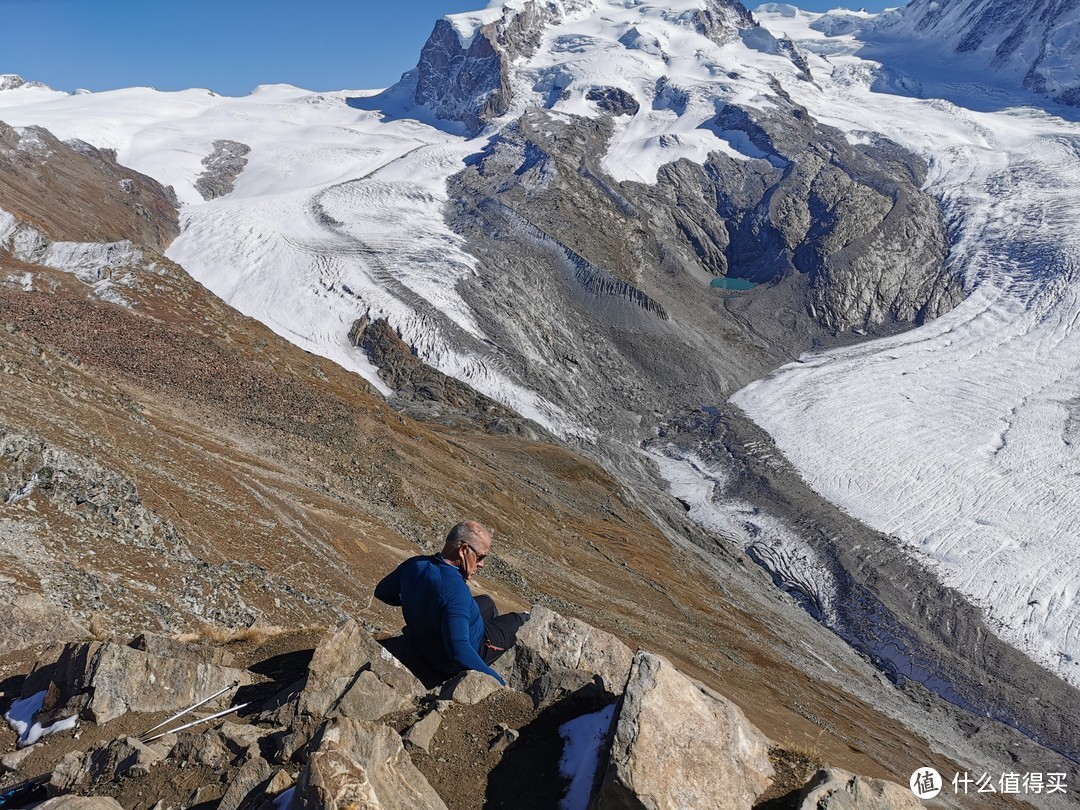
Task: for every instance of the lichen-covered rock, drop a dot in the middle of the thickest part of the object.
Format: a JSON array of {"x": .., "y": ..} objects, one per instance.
[
  {"x": 356, "y": 764},
  {"x": 678, "y": 744},
  {"x": 549, "y": 641},
  {"x": 834, "y": 789}
]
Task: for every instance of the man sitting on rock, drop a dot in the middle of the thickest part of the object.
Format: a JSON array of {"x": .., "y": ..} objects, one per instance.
[{"x": 452, "y": 630}]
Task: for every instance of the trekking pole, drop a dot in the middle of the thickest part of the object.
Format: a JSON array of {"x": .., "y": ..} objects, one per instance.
[
  {"x": 196, "y": 722},
  {"x": 189, "y": 709},
  {"x": 32, "y": 791}
]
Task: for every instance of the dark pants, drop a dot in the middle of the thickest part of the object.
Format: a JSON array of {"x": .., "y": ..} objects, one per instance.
[{"x": 500, "y": 632}]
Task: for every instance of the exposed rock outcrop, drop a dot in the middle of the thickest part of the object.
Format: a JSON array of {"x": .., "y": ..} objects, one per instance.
[
  {"x": 104, "y": 681},
  {"x": 222, "y": 167},
  {"x": 12, "y": 81},
  {"x": 351, "y": 675},
  {"x": 426, "y": 393},
  {"x": 30, "y": 619},
  {"x": 464, "y": 72},
  {"x": 614, "y": 100}
]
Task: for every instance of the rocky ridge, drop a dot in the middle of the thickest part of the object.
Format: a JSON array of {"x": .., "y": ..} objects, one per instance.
[{"x": 347, "y": 724}]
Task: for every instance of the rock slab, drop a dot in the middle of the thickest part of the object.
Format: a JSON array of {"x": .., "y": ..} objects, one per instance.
[
  {"x": 678, "y": 744},
  {"x": 362, "y": 766},
  {"x": 834, "y": 789},
  {"x": 352, "y": 675},
  {"x": 549, "y": 641}
]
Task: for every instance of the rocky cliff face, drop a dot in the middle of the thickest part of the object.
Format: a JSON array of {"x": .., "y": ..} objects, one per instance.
[
  {"x": 465, "y": 68},
  {"x": 615, "y": 277}
]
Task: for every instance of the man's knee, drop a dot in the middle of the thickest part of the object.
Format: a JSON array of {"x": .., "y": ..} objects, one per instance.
[{"x": 488, "y": 609}]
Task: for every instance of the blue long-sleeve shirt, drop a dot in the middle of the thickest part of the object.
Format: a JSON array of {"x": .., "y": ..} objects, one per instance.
[{"x": 444, "y": 621}]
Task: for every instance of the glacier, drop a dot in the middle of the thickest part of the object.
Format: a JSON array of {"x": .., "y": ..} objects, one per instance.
[{"x": 959, "y": 437}]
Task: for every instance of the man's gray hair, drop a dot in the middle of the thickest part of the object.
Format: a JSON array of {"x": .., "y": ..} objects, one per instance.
[{"x": 468, "y": 532}]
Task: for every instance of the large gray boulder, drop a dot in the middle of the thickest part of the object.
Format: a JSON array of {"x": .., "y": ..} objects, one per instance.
[
  {"x": 362, "y": 766},
  {"x": 678, "y": 744},
  {"x": 550, "y": 642},
  {"x": 104, "y": 681},
  {"x": 127, "y": 680},
  {"x": 246, "y": 782},
  {"x": 834, "y": 789},
  {"x": 352, "y": 675}
]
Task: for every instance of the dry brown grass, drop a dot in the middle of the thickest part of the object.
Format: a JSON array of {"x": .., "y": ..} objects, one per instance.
[{"x": 220, "y": 636}]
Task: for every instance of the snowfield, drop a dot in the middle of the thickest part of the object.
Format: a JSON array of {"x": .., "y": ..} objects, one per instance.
[
  {"x": 337, "y": 215},
  {"x": 961, "y": 437}
]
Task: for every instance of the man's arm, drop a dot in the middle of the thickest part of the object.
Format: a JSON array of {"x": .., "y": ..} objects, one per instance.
[
  {"x": 458, "y": 644},
  {"x": 389, "y": 589}
]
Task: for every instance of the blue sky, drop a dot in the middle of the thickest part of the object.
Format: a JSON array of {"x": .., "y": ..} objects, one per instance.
[{"x": 230, "y": 46}]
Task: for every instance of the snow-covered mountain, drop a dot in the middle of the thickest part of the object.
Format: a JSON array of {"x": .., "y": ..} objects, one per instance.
[
  {"x": 1033, "y": 44},
  {"x": 605, "y": 214},
  {"x": 1036, "y": 41},
  {"x": 477, "y": 66}
]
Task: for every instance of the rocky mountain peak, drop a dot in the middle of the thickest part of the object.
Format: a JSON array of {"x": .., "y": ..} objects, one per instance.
[
  {"x": 466, "y": 68},
  {"x": 12, "y": 81}
]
